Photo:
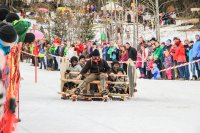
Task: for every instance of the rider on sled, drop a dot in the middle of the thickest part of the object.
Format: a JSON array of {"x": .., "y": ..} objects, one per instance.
[{"x": 99, "y": 70}]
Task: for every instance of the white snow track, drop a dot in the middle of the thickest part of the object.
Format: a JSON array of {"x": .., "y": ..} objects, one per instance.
[{"x": 158, "y": 107}]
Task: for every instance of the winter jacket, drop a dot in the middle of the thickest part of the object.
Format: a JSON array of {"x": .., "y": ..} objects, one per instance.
[
  {"x": 124, "y": 56},
  {"x": 76, "y": 68},
  {"x": 172, "y": 52},
  {"x": 191, "y": 54},
  {"x": 180, "y": 53},
  {"x": 158, "y": 52},
  {"x": 79, "y": 49},
  {"x": 41, "y": 53},
  {"x": 164, "y": 49},
  {"x": 132, "y": 53},
  {"x": 150, "y": 65},
  {"x": 168, "y": 61},
  {"x": 96, "y": 67},
  {"x": 36, "y": 50},
  {"x": 57, "y": 51},
  {"x": 196, "y": 49},
  {"x": 156, "y": 73}
]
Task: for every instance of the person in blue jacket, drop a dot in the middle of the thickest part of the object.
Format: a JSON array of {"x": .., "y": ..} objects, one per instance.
[{"x": 196, "y": 53}]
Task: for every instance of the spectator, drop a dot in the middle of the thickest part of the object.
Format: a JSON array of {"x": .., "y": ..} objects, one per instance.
[
  {"x": 132, "y": 53},
  {"x": 79, "y": 48},
  {"x": 196, "y": 53},
  {"x": 181, "y": 59}
]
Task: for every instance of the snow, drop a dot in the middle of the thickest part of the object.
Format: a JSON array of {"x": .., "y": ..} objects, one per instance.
[
  {"x": 158, "y": 107},
  {"x": 166, "y": 32}
]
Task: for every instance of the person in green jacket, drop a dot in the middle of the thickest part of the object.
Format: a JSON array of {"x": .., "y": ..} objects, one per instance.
[{"x": 158, "y": 51}]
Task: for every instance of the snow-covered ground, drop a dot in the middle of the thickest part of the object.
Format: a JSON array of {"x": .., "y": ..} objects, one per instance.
[{"x": 158, "y": 107}]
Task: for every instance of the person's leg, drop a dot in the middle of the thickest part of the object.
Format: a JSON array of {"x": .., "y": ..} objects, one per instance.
[
  {"x": 102, "y": 78},
  {"x": 55, "y": 63},
  {"x": 193, "y": 70},
  {"x": 180, "y": 70},
  {"x": 102, "y": 81},
  {"x": 187, "y": 73},
  {"x": 58, "y": 61},
  {"x": 197, "y": 64},
  {"x": 87, "y": 80},
  {"x": 170, "y": 74},
  {"x": 40, "y": 62},
  {"x": 44, "y": 63}
]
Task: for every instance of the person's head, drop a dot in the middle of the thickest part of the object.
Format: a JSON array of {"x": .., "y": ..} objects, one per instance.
[
  {"x": 111, "y": 43},
  {"x": 168, "y": 42},
  {"x": 155, "y": 58},
  {"x": 177, "y": 40},
  {"x": 150, "y": 57},
  {"x": 8, "y": 35},
  {"x": 153, "y": 40},
  {"x": 186, "y": 42},
  {"x": 157, "y": 44},
  {"x": 108, "y": 44},
  {"x": 197, "y": 37},
  {"x": 141, "y": 40},
  {"x": 78, "y": 42},
  {"x": 154, "y": 46},
  {"x": 95, "y": 55},
  {"x": 3, "y": 13},
  {"x": 123, "y": 48},
  {"x": 166, "y": 52},
  {"x": 128, "y": 45},
  {"x": 74, "y": 61},
  {"x": 94, "y": 45},
  {"x": 149, "y": 43},
  {"x": 191, "y": 43},
  {"x": 11, "y": 17},
  {"x": 82, "y": 59},
  {"x": 163, "y": 44},
  {"x": 154, "y": 65},
  {"x": 120, "y": 72},
  {"x": 115, "y": 66}
]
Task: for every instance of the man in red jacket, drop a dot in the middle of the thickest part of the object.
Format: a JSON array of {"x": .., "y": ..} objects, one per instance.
[
  {"x": 79, "y": 48},
  {"x": 181, "y": 58}
]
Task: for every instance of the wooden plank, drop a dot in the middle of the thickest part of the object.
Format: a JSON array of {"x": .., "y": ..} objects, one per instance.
[{"x": 94, "y": 82}]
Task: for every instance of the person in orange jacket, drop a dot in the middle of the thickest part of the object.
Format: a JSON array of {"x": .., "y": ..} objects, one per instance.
[
  {"x": 181, "y": 59},
  {"x": 79, "y": 48}
]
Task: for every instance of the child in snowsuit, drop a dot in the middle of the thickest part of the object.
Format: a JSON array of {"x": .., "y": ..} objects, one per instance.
[
  {"x": 149, "y": 67},
  {"x": 156, "y": 73},
  {"x": 168, "y": 63}
]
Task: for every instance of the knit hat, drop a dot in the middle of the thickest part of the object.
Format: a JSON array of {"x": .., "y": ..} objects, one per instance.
[
  {"x": 29, "y": 38},
  {"x": 168, "y": 41},
  {"x": 8, "y": 34},
  {"x": 21, "y": 27},
  {"x": 3, "y": 13},
  {"x": 81, "y": 57},
  {"x": 11, "y": 17},
  {"x": 95, "y": 53},
  {"x": 115, "y": 62},
  {"x": 74, "y": 58}
]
